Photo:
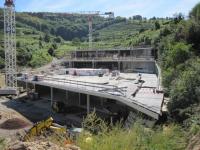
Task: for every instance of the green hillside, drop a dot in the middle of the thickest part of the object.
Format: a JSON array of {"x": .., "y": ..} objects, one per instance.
[
  {"x": 118, "y": 34},
  {"x": 41, "y": 36}
]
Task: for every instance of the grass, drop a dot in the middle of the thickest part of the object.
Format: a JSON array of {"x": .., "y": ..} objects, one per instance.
[
  {"x": 117, "y": 35},
  {"x": 137, "y": 138},
  {"x": 2, "y": 144}
]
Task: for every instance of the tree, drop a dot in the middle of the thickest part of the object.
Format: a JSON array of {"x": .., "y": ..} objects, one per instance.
[
  {"x": 76, "y": 41},
  {"x": 51, "y": 51},
  {"x": 137, "y": 17},
  {"x": 178, "y": 54},
  {"x": 185, "y": 90},
  {"x": 23, "y": 56},
  {"x": 193, "y": 35},
  {"x": 40, "y": 44},
  {"x": 47, "y": 38},
  {"x": 54, "y": 46},
  {"x": 157, "y": 25},
  {"x": 2, "y": 63},
  {"x": 52, "y": 31},
  {"x": 58, "y": 39},
  {"x": 178, "y": 17},
  {"x": 195, "y": 13},
  {"x": 18, "y": 44}
]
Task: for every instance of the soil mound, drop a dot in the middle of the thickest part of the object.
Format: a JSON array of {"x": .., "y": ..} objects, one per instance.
[{"x": 13, "y": 124}]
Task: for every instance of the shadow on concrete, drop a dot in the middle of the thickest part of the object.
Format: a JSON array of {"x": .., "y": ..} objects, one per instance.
[{"x": 37, "y": 110}]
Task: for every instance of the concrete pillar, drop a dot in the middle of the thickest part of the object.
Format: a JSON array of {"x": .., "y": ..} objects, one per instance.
[
  {"x": 93, "y": 65},
  {"x": 75, "y": 54},
  {"x": 26, "y": 86},
  {"x": 51, "y": 96},
  {"x": 88, "y": 104},
  {"x": 34, "y": 87},
  {"x": 119, "y": 65},
  {"x": 101, "y": 101},
  {"x": 70, "y": 64},
  {"x": 79, "y": 99},
  {"x": 96, "y": 55},
  {"x": 67, "y": 97}
]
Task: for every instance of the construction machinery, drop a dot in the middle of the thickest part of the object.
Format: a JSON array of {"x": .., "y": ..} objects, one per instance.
[
  {"x": 41, "y": 126},
  {"x": 89, "y": 15}
]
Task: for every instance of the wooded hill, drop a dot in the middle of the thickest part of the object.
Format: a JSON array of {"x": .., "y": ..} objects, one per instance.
[{"x": 41, "y": 36}]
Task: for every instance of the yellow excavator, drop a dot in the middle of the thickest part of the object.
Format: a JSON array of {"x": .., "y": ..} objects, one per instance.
[{"x": 41, "y": 126}]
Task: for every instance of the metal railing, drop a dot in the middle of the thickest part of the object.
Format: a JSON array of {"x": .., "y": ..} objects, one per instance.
[
  {"x": 110, "y": 58},
  {"x": 102, "y": 88}
]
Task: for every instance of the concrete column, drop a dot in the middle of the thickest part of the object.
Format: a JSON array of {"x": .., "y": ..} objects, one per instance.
[
  {"x": 26, "y": 86},
  {"x": 119, "y": 65},
  {"x": 79, "y": 99},
  {"x": 93, "y": 64},
  {"x": 88, "y": 104},
  {"x": 51, "y": 96},
  {"x": 70, "y": 64},
  {"x": 34, "y": 87},
  {"x": 67, "y": 97},
  {"x": 75, "y": 54},
  {"x": 96, "y": 55},
  {"x": 101, "y": 101}
]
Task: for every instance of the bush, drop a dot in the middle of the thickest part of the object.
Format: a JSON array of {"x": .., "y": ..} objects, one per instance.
[
  {"x": 177, "y": 54},
  {"x": 51, "y": 51},
  {"x": 47, "y": 38},
  {"x": 138, "y": 137},
  {"x": 58, "y": 40},
  {"x": 40, "y": 58},
  {"x": 195, "y": 13},
  {"x": 193, "y": 35},
  {"x": 2, "y": 144},
  {"x": 23, "y": 56},
  {"x": 185, "y": 90},
  {"x": 157, "y": 25}
]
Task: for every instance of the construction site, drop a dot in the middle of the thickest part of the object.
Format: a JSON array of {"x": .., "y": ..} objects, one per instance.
[{"x": 114, "y": 83}]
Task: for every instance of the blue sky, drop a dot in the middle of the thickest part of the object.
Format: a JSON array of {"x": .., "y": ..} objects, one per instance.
[{"x": 126, "y": 8}]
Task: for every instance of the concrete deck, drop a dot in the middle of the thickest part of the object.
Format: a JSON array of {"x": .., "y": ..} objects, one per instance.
[
  {"x": 8, "y": 91},
  {"x": 120, "y": 88}
]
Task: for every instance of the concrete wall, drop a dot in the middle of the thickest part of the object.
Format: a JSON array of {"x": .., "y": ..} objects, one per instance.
[
  {"x": 109, "y": 53},
  {"x": 140, "y": 66},
  {"x": 144, "y": 67}
]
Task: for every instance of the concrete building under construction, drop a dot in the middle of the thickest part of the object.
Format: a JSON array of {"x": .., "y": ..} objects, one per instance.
[
  {"x": 124, "y": 59},
  {"x": 113, "y": 82}
]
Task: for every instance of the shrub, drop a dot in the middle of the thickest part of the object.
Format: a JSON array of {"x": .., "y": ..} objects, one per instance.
[
  {"x": 40, "y": 58},
  {"x": 138, "y": 137},
  {"x": 185, "y": 90},
  {"x": 195, "y": 13},
  {"x": 177, "y": 54},
  {"x": 157, "y": 25}
]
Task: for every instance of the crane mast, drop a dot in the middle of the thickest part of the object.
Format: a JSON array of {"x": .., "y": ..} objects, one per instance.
[
  {"x": 89, "y": 15},
  {"x": 10, "y": 44}
]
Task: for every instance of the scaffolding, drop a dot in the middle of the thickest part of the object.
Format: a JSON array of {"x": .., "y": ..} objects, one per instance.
[{"x": 10, "y": 44}]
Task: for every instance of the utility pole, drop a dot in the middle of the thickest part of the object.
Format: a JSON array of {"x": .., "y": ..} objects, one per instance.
[{"x": 10, "y": 44}]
